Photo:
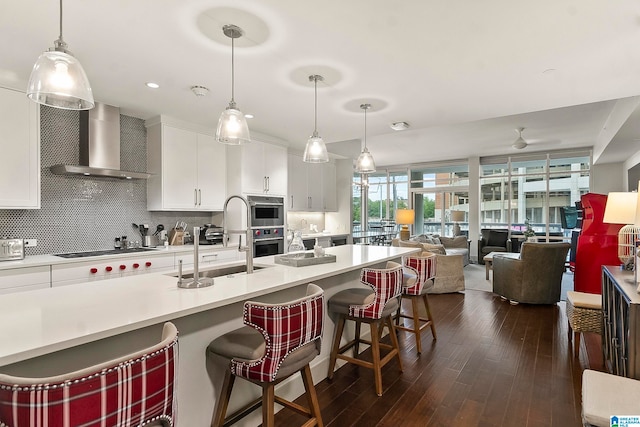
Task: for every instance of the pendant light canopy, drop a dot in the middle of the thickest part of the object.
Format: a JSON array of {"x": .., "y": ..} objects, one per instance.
[
  {"x": 232, "y": 125},
  {"x": 365, "y": 163},
  {"x": 316, "y": 150},
  {"x": 58, "y": 80}
]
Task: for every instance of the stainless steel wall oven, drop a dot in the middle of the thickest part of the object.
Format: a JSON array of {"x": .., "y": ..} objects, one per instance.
[
  {"x": 268, "y": 241},
  {"x": 266, "y": 211}
]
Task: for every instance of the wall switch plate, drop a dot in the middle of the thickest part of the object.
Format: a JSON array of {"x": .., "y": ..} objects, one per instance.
[{"x": 30, "y": 242}]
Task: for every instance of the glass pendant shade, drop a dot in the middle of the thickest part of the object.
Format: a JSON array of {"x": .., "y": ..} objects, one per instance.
[
  {"x": 232, "y": 127},
  {"x": 365, "y": 163},
  {"x": 58, "y": 80},
  {"x": 316, "y": 150}
]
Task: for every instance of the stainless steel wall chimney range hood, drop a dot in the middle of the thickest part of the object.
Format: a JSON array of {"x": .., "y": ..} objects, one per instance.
[{"x": 99, "y": 146}]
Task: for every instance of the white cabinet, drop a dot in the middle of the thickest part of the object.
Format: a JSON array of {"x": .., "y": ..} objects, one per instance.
[
  {"x": 207, "y": 257},
  {"x": 25, "y": 279},
  {"x": 189, "y": 170},
  {"x": 312, "y": 186},
  {"x": 20, "y": 147},
  {"x": 257, "y": 168}
]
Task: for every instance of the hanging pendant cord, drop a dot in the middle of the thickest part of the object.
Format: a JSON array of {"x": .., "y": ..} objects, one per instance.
[
  {"x": 232, "y": 70},
  {"x": 60, "y": 20},
  {"x": 315, "y": 119},
  {"x": 365, "y": 128}
]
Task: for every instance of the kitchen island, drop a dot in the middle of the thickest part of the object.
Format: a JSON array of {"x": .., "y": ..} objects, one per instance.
[{"x": 53, "y": 330}]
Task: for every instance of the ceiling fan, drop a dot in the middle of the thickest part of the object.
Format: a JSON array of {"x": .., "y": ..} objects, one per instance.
[{"x": 519, "y": 143}]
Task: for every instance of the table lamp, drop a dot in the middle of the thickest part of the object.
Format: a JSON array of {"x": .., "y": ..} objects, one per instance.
[
  {"x": 621, "y": 209},
  {"x": 456, "y": 217},
  {"x": 405, "y": 217}
]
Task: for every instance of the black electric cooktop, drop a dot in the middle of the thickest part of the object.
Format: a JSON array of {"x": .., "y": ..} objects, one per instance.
[{"x": 105, "y": 252}]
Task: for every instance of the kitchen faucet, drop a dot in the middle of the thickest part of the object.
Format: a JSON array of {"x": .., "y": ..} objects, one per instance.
[{"x": 248, "y": 249}]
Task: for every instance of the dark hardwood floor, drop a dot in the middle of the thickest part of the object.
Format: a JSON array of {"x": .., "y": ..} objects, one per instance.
[{"x": 493, "y": 364}]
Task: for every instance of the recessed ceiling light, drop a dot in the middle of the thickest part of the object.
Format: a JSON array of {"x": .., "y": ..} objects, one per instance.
[
  {"x": 399, "y": 126},
  {"x": 152, "y": 85},
  {"x": 248, "y": 116}
]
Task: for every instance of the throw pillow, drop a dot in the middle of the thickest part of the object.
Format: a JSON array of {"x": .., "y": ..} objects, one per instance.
[
  {"x": 421, "y": 238},
  {"x": 436, "y": 249},
  {"x": 436, "y": 241}
]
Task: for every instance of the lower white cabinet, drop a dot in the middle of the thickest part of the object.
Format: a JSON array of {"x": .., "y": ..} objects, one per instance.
[
  {"x": 25, "y": 279},
  {"x": 20, "y": 147},
  {"x": 90, "y": 271}
]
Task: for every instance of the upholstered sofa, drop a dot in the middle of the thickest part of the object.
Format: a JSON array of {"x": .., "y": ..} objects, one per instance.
[
  {"x": 458, "y": 245},
  {"x": 449, "y": 267}
]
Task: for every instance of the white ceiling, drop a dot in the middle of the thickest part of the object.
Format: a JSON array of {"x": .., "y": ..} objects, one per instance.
[{"x": 464, "y": 74}]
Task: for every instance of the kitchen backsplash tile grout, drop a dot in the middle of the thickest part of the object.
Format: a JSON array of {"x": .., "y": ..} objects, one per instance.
[{"x": 81, "y": 214}]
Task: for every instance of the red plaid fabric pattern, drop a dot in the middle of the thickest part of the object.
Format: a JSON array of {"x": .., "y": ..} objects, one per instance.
[
  {"x": 131, "y": 392},
  {"x": 424, "y": 268},
  {"x": 285, "y": 327},
  {"x": 386, "y": 284}
]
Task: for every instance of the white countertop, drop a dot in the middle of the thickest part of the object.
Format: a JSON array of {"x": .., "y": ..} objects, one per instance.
[
  {"x": 38, "y": 322},
  {"x": 40, "y": 260},
  {"x": 328, "y": 234}
]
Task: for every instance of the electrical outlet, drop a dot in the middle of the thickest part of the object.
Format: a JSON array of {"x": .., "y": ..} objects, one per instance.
[{"x": 30, "y": 242}]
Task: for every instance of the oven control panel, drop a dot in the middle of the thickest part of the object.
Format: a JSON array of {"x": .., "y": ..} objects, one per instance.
[{"x": 266, "y": 233}]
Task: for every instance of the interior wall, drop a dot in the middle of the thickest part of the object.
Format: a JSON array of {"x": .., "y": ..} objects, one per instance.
[
  {"x": 340, "y": 221},
  {"x": 608, "y": 177}
]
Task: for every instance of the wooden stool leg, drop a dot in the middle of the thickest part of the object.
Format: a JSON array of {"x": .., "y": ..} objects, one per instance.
[
  {"x": 375, "y": 349},
  {"x": 429, "y": 316},
  {"x": 416, "y": 323},
  {"x": 223, "y": 403},
  {"x": 394, "y": 341},
  {"x": 576, "y": 344},
  {"x": 336, "y": 346},
  {"x": 312, "y": 397},
  {"x": 398, "y": 312},
  {"x": 268, "y": 403},
  {"x": 569, "y": 331},
  {"x": 356, "y": 347}
]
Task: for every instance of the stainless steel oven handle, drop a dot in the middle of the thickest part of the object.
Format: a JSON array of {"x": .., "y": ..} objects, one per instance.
[
  {"x": 268, "y": 239},
  {"x": 269, "y": 203}
]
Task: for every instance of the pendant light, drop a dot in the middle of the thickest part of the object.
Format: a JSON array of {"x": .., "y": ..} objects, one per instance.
[
  {"x": 316, "y": 150},
  {"x": 58, "y": 80},
  {"x": 365, "y": 163},
  {"x": 232, "y": 125}
]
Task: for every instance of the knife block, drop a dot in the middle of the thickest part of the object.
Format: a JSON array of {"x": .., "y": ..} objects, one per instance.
[{"x": 176, "y": 237}]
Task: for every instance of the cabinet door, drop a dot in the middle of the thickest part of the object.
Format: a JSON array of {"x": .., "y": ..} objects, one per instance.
[
  {"x": 297, "y": 200},
  {"x": 179, "y": 171},
  {"x": 20, "y": 145},
  {"x": 253, "y": 176},
  {"x": 329, "y": 190},
  {"x": 211, "y": 173},
  {"x": 314, "y": 187},
  {"x": 275, "y": 169}
]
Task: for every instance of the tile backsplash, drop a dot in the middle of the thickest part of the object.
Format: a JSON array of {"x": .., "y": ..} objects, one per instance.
[{"x": 82, "y": 214}]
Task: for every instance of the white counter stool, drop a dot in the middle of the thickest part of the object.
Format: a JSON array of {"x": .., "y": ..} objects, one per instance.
[
  {"x": 604, "y": 395},
  {"x": 584, "y": 314},
  {"x": 415, "y": 287},
  {"x": 374, "y": 306},
  {"x": 278, "y": 341},
  {"x": 136, "y": 389}
]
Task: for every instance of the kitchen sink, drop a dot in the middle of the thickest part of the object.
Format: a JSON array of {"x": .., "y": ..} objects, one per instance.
[{"x": 229, "y": 270}]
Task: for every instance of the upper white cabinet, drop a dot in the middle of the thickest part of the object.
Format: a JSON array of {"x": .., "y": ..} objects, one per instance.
[
  {"x": 20, "y": 146},
  {"x": 257, "y": 168},
  {"x": 189, "y": 170},
  {"x": 312, "y": 186}
]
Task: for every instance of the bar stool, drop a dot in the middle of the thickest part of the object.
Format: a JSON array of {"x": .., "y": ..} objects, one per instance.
[
  {"x": 415, "y": 287},
  {"x": 584, "y": 314},
  {"x": 375, "y": 307},
  {"x": 277, "y": 341},
  {"x": 136, "y": 389}
]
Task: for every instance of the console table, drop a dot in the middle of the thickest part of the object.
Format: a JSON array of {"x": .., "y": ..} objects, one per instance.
[{"x": 621, "y": 316}]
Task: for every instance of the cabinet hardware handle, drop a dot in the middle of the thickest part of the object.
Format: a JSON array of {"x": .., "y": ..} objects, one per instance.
[
  {"x": 268, "y": 184},
  {"x": 291, "y": 207},
  {"x": 199, "y": 197},
  {"x": 195, "y": 196}
]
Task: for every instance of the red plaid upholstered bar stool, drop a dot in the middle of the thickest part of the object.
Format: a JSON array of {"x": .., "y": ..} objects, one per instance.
[
  {"x": 415, "y": 287},
  {"x": 372, "y": 306},
  {"x": 134, "y": 390},
  {"x": 277, "y": 341}
]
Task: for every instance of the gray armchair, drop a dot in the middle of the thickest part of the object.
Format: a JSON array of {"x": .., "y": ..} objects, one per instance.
[{"x": 534, "y": 278}]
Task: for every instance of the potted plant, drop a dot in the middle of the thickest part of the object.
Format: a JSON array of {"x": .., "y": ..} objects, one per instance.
[{"x": 529, "y": 234}]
